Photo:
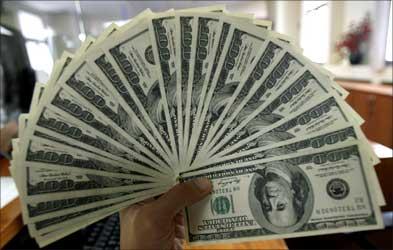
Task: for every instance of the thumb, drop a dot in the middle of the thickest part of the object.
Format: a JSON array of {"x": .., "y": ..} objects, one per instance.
[{"x": 182, "y": 195}]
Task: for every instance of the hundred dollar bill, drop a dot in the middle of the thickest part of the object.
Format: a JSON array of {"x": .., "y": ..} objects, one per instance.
[
  {"x": 323, "y": 114},
  {"x": 30, "y": 182},
  {"x": 214, "y": 58},
  {"x": 50, "y": 237},
  {"x": 38, "y": 153},
  {"x": 13, "y": 165},
  {"x": 63, "y": 63},
  {"x": 22, "y": 123},
  {"x": 86, "y": 115},
  {"x": 111, "y": 118},
  {"x": 238, "y": 54},
  {"x": 112, "y": 88},
  {"x": 66, "y": 102},
  {"x": 43, "y": 184},
  {"x": 120, "y": 117},
  {"x": 66, "y": 58},
  {"x": 85, "y": 82},
  {"x": 58, "y": 69},
  {"x": 86, "y": 45},
  {"x": 43, "y": 152},
  {"x": 211, "y": 36},
  {"x": 264, "y": 80},
  {"x": 80, "y": 221},
  {"x": 38, "y": 211},
  {"x": 121, "y": 112},
  {"x": 38, "y": 92},
  {"x": 54, "y": 162},
  {"x": 204, "y": 33},
  {"x": 184, "y": 42},
  {"x": 285, "y": 39},
  {"x": 333, "y": 136},
  {"x": 57, "y": 124},
  {"x": 289, "y": 40},
  {"x": 272, "y": 101},
  {"x": 162, "y": 28},
  {"x": 262, "y": 106},
  {"x": 234, "y": 102},
  {"x": 128, "y": 63},
  {"x": 40, "y": 180},
  {"x": 87, "y": 215},
  {"x": 53, "y": 236},
  {"x": 290, "y": 145},
  {"x": 39, "y": 89},
  {"x": 265, "y": 24},
  {"x": 296, "y": 195}
]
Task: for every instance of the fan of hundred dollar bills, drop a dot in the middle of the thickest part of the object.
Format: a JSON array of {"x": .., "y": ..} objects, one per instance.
[{"x": 195, "y": 93}]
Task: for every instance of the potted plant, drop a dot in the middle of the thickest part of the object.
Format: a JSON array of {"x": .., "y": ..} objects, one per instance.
[{"x": 353, "y": 42}]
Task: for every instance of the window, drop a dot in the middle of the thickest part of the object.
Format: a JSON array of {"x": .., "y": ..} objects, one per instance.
[
  {"x": 36, "y": 36},
  {"x": 315, "y": 30},
  {"x": 388, "y": 51}
]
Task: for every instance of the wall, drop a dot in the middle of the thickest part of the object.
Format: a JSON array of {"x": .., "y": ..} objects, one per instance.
[
  {"x": 337, "y": 9},
  {"x": 66, "y": 29},
  {"x": 355, "y": 11},
  {"x": 346, "y": 13},
  {"x": 286, "y": 17}
]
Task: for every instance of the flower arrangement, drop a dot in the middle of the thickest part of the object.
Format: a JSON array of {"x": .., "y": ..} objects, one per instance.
[{"x": 352, "y": 41}]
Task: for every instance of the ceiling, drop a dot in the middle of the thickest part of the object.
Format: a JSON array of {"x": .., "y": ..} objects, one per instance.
[{"x": 127, "y": 9}]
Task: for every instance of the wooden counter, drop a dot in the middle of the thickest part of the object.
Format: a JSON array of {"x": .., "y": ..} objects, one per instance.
[
  {"x": 374, "y": 103},
  {"x": 10, "y": 222},
  {"x": 378, "y": 89},
  {"x": 265, "y": 244}
]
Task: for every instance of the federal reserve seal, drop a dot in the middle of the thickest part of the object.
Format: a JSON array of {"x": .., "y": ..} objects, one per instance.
[{"x": 337, "y": 188}]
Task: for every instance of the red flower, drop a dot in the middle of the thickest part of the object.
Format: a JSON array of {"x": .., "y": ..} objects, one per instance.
[{"x": 355, "y": 36}]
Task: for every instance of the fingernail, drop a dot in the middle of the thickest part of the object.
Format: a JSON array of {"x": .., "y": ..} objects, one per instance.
[{"x": 202, "y": 184}]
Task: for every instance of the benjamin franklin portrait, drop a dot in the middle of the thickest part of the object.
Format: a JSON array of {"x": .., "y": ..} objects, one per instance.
[{"x": 282, "y": 195}]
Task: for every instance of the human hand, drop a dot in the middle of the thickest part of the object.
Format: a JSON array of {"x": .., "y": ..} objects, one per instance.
[{"x": 158, "y": 224}]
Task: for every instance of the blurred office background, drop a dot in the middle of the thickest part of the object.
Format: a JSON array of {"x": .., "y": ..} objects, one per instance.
[{"x": 352, "y": 39}]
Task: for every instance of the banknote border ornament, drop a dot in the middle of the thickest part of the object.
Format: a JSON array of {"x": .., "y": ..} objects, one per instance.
[{"x": 300, "y": 187}]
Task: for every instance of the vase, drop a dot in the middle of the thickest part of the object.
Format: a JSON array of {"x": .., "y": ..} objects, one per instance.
[{"x": 355, "y": 57}]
